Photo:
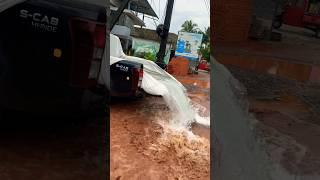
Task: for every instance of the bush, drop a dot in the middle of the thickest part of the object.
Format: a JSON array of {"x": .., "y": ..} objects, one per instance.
[
  {"x": 150, "y": 56},
  {"x": 205, "y": 53}
]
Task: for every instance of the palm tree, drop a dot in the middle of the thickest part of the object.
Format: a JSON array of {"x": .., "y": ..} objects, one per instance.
[
  {"x": 189, "y": 26},
  {"x": 206, "y": 35}
]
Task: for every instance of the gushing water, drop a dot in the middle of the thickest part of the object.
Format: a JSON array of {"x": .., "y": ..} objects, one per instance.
[
  {"x": 183, "y": 152},
  {"x": 156, "y": 81},
  {"x": 179, "y": 104},
  {"x": 159, "y": 82}
]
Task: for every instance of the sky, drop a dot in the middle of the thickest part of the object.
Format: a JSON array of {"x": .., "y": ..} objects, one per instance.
[{"x": 195, "y": 10}]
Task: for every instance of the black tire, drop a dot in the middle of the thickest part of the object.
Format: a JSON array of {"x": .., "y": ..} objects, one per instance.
[
  {"x": 141, "y": 94},
  {"x": 277, "y": 23}
]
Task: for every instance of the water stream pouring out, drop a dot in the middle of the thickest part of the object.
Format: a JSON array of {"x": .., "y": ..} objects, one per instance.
[
  {"x": 156, "y": 81},
  {"x": 158, "y": 131}
]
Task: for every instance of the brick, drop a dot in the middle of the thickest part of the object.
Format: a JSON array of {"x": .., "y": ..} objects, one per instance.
[
  {"x": 231, "y": 20},
  {"x": 178, "y": 66}
]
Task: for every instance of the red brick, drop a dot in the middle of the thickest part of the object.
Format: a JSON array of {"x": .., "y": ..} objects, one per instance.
[
  {"x": 231, "y": 20},
  {"x": 178, "y": 66}
]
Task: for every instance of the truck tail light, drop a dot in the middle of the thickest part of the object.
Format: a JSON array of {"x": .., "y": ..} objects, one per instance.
[
  {"x": 99, "y": 45},
  {"x": 140, "y": 76},
  {"x": 137, "y": 77},
  {"x": 88, "y": 44}
]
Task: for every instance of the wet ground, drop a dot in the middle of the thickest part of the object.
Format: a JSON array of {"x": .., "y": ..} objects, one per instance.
[
  {"x": 52, "y": 148},
  {"x": 289, "y": 114},
  {"x": 143, "y": 147},
  {"x": 284, "y": 94}
]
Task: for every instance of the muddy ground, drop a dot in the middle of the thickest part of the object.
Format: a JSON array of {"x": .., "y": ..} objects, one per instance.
[
  {"x": 289, "y": 114},
  {"x": 49, "y": 147},
  {"x": 143, "y": 147}
]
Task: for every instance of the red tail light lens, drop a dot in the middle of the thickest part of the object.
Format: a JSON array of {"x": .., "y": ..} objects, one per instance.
[
  {"x": 88, "y": 44},
  {"x": 100, "y": 36},
  {"x": 141, "y": 73},
  {"x": 136, "y": 79}
]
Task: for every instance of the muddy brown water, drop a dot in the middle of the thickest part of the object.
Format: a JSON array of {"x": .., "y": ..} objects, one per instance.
[{"x": 142, "y": 147}]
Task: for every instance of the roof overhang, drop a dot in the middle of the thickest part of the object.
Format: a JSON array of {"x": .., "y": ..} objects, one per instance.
[
  {"x": 136, "y": 20},
  {"x": 142, "y": 6}
]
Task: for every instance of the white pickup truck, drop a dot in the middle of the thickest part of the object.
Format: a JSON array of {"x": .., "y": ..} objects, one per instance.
[{"x": 152, "y": 73}]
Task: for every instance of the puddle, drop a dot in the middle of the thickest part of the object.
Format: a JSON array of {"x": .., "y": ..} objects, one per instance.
[{"x": 285, "y": 68}]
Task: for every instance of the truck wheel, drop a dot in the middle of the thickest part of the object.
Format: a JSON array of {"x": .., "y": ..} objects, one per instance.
[
  {"x": 140, "y": 94},
  {"x": 277, "y": 23}
]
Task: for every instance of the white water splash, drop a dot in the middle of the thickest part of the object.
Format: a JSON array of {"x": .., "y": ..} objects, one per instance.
[
  {"x": 203, "y": 120},
  {"x": 157, "y": 81},
  {"x": 184, "y": 112}
]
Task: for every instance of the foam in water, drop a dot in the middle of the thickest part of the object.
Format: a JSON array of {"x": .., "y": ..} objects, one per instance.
[{"x": 203, "y": 120}]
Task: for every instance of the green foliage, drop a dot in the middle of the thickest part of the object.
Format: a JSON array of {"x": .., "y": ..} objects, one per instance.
[
  {"x": 150, "y": 56},
  {"x": 206, "y": 35},
  {"x": 189, "y": 26},
  {"x": 205, "y": 51}
]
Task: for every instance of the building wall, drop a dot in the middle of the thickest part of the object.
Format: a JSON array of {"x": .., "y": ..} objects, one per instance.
[
  {"x": 124, "y": 20},
  {"x": 151, "y": 34},
  {"x": 231, "y": 20},
  {"x": 264, "y": 8},
  {"x": 150, "y": 46}
]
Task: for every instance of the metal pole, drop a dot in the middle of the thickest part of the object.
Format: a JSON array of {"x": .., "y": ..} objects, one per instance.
[
  {"x": 118, "y": 13},
  {"x": 166, "y": 27},
  {"x": 142, "y": 19}
]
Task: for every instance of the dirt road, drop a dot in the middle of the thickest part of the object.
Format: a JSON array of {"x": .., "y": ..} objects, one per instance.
[
  {"x": 52, "y": 148},
  {"x": 142, "y": 147}
]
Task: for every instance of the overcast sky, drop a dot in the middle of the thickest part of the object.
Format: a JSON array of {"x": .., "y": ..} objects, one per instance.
[{"x": 195, "y": 10}]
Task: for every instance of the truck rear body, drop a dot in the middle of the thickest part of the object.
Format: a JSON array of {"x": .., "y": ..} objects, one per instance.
[
  {"x": 126, "y": 78},
  {"x": 50, "y": 52}
]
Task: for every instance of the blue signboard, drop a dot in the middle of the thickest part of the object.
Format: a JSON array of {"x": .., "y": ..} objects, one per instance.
[{"x": 188, "y": 45}]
